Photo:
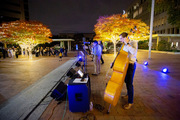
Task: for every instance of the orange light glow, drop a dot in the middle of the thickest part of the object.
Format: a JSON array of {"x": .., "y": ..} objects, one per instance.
[{"x": 24, "y": 32}]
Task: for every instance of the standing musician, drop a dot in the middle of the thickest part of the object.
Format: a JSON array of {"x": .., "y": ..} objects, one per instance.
[{"x": 130, "y": 47}]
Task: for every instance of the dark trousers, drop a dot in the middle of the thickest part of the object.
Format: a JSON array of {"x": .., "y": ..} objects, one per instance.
[
  {"x": 129, "y": 82},
  {"x": 102, "y": 61}
]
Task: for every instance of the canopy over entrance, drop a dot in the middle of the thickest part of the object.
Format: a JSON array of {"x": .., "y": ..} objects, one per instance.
[{"x": 64, "y": 40}]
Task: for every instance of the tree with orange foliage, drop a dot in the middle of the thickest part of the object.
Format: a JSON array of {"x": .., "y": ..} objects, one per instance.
[
  {"x": 26, "y": 33},
  {"x": 109, "y": 28}
]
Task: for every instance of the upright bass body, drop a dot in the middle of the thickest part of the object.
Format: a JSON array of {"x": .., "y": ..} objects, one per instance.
[{"x": 115, "y": 84}]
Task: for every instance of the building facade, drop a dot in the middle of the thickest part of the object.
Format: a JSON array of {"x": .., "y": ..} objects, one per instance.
[
  {"x": 140, "y": 9},
  {"x": 162, "y": 30},
  {"x": 12, "y": 10}
]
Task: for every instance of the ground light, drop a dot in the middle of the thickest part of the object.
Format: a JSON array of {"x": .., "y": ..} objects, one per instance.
[
  {"x": 146, "y": 63},
  {"x": 165, "y": 70},
  {"x": 80, "y": 58}
]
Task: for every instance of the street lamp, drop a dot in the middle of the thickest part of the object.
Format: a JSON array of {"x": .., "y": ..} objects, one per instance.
[{"x": 151, "y": 28}]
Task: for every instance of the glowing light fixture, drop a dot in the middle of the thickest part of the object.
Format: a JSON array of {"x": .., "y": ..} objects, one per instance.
[
  {"x": 80, "y": 58},
  {"x": 165, "y": 70},
  {"x": 146, "y": 63}
]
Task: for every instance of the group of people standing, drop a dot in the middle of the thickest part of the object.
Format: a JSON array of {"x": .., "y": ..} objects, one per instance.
[
  {"x": 11, "y": 52},
  {"x": 50, "y": 51},
  {"x": 62, "y": 52}
]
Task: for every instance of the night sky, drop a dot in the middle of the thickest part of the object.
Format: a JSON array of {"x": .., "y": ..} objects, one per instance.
[{"x": 74, "y": 16}]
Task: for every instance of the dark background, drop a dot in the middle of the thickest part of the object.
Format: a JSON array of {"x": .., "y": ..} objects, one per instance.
[{"x": 74, "y": 16}]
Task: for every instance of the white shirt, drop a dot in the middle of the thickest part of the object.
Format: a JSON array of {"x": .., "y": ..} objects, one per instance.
[
  {"x": 132, "y": 50},
  {"x": 97, "y": 50}
]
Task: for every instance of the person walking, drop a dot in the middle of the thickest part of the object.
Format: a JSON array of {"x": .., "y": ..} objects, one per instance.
[
  {"x": 62, "y": 51},
  {"x": 60, "y": 56},
  {"x": 131, "y": 47},
  {"x": 16, "y": 52},
  {"x": 11, "y": 52},
  {"x": 65, "y": 51},
  {"x": 92, "y": 51},
  {"x": 97, "y": 56}
]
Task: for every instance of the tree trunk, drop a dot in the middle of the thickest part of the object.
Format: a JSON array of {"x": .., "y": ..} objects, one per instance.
[
  {"x": 5, "y": 45},
  {"x": 22, "y": 51},
  {"x": 114, "y": 48},
  {"x": 30, "y": 52}
]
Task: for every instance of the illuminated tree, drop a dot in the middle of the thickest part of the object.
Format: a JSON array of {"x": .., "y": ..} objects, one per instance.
[
  {"x": 26, "y": 33},
  {"x": 109, "y": 28}
]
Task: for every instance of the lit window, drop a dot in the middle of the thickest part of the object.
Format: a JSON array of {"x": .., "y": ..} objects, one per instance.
[
  {"x": 135, "y": 14},
  {"x": 171, "y": 44},
  {"x": 176, "y": 44},
  {"x": 140, "y": 10}
]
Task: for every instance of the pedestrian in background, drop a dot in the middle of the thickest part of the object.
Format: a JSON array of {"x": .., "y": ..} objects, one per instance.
[
  {"x": 92, "y": 51},
  {"x": 16, "y": 52},
  {"x": 65, "y": 51},
  {"x": 60, "y": 56},
  {"x": 62, "y": 51},
  {"x": 97, "y": 57},
  {"x": 100, "y": 43}
]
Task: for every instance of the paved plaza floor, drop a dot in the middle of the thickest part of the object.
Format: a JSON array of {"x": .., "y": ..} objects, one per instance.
[
  {"x": 156, "y": 94},
  {"x": 17, "y": 74}
]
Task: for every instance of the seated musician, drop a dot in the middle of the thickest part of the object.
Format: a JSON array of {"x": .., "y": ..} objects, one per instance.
[{"x": 130, "y": 47}]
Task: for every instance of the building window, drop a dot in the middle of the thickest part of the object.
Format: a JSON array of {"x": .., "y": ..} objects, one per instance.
[
  {"x": 164, "y": 31},
  {"x": 172, "y": 31},
  {"x": 176, "y": 44},
  {"x": 177, "y": 30},
  {"x": 162, "y": 21},
  {"x": 140, "y": 10},
  {"x": 135, "y": 14},
  {"x": 168, "y": 31},
  {"x": 154, "y": 25},
  {"x": 172, "y": 44}
]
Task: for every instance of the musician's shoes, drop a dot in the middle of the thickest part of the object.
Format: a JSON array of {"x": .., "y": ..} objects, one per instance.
[
  {"x": 95, "y": 74},
  {"x": 128, "y": 106},
  {"x": 125, "y": 96}
]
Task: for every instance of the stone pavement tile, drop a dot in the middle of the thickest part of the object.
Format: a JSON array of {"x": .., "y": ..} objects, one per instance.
[
  {"x": 149, "y": 118},
  {"x": 122, "y": 118},
  {"x": 105, "y": 117},
  {"x": 56, "y": 112}
]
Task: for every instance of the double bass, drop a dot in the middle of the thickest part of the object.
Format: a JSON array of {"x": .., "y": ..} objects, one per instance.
[{"x": 115, "y": 84}]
